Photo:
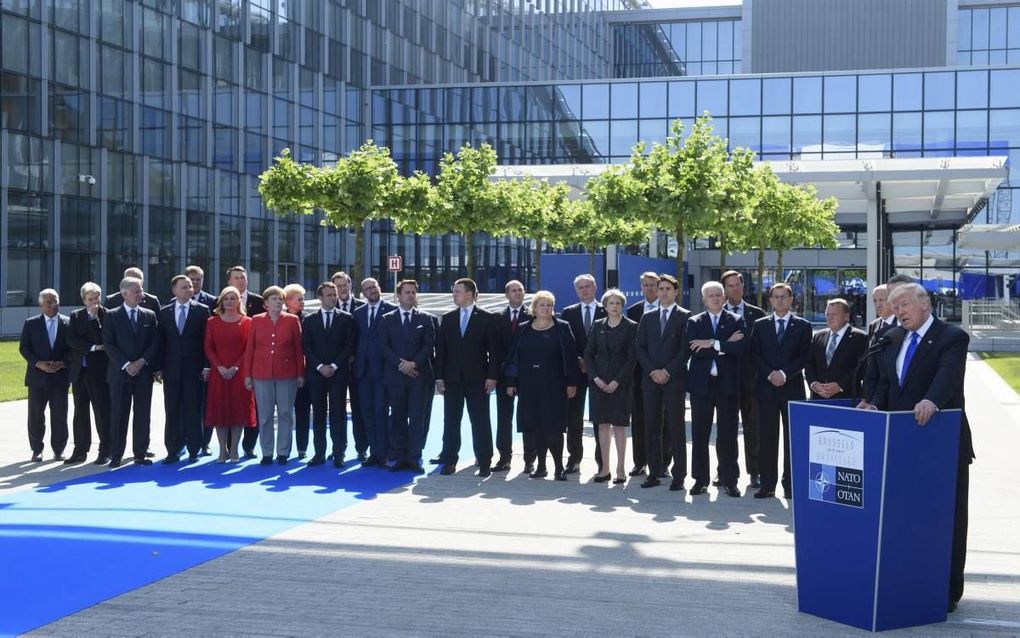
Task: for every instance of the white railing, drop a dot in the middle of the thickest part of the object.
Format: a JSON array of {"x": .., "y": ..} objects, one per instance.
[{"x": 991, "y": 314}]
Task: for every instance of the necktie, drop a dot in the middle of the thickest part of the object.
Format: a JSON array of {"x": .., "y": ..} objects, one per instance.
[
  {"x": 587, "y": 319},
  {"x": 663, "y": 320},
  {"x": 407, "y": 321},
  {"x": 344, "y": 307},
  {"x": 329, "y": 320},
  {"x": 464, "y": 316},
  {"x": 911, "y": 349},
  {"x": 181, "y": 318},
  {"x": 715, "y": 324},
  {"x": 371, "y": 316},
  {"x": 134, "y": 319},
  {"x": 781, "y": 331},
  {"x": 649, "y": 307},
  {"x": 513, "y": 322},
  {"x": 51, "y": 330},
  {"x": 831, "y": 350}
]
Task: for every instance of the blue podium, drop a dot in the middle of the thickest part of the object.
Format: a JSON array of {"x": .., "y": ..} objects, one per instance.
[{"x": 873, "y": 513}]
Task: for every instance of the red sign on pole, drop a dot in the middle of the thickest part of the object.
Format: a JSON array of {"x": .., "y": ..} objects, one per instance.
[{"x": 396, "y": 263}]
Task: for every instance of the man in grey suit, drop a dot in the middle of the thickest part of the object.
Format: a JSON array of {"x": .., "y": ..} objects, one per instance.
[
  {"x": 131, "y": 341},
  {"x": 663, "y": 353}
]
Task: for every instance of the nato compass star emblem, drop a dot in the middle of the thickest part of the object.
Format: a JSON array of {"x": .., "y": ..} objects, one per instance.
[{"x": 822, "y": 482}]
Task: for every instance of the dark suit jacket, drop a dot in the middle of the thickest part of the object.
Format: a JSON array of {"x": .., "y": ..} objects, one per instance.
[
  {"x": 571, "y": 370},
  {"x": 354, "y": 304},
  {"x": 876, "y": 329},
  {"x": 206, "y": 299},
  {"x": 368, "y": 360},
  {"x": 182, "y": 356},
  {"x": 473, "y": 357},
  {"x": 729, "y": 360},
  {"x": 848, "y": 354},
  {"x": 751, "y": 314},
  {"x": 124, "y": 344},
  {"x": 332, "y": 348},
  {"x": 416, "y": 344},
  {"x": 506, "y": 331},
  {"x": 790, "y": 356},
  {"x": 149, "y": 302},
  {"x": 664, "y": 351},
  {"x": 82, "y": 334},
  {"x": 35, "y": 347},
  {"x": 636, "y": 311},
  {"x": 936, "y": 373},
  {"x": 255, "y": 305},
  {"x": 575, "y": 317}
]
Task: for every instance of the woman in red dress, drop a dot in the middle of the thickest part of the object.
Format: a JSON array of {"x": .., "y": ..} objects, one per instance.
[{"x": 229, "y": 406}]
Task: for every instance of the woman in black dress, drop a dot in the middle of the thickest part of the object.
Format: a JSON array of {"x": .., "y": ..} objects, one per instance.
[
  {"x": 610, "y": 357},
  {"x": 544, "y": 374}
]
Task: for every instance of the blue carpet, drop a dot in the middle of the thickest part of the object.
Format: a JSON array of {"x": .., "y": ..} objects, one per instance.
[{"x": 71, "y": 545}]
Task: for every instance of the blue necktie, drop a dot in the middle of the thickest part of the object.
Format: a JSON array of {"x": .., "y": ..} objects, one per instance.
[
  {"x": 782, "y": 329},
  {"x": 911, "y": 349},
  {"x": 464, "y": 316},
  {"x": 134, "y": 320},
  {"x": 181, "y": 318},
  {"x": 51, "y": 331},
  {"x": 407, "y": 323},
  {"x": 715, "y": 324}
]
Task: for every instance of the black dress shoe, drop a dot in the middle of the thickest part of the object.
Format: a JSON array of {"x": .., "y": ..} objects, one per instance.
[
  {"x": 101, "y": 460},
  {"x": 58, "y": 457},
  {"x": 638, "y": 471},
  {"x": 436, "y": 461},
  {"x": 415, "y": 468},
  {"x": 115, "y": 463},
  {"x": 205, "y": 451},
  {"x": 651, "y": 481},
  {"x": 665, "y": 474},
  {"x": 756, "y": 480},
  {"x": 501, "y": 466},
  {"x": 484, "y": 472},
  {"x": 952, "y": 607},
  {"x": 266, "y": 460},
  {"x": 399, "y": 466},
  {"x": 619, "y": 481},
  {"x": 338, "y": 463},
  {"x": 529, "y": 468},
  {"x": 362, "y": 457},
  {"x": 677, "y": 486},
  {"x": 448, "y": 470},
  {"x": 572, "y": 468},
  {"x": 301, "y": 454},
  {"x": 699, "y": 488},
  {"x": 248, "y": 455},
  {"x": 715, "y": 481},
  {"x": 370, "y": 462},
  {"x": 170, "y": 460},
  {"x": 316, "y": 460},
  {"x": 37, "y": 458},
  {"x": 561, "y": 475},
  {"x": 764, "y": 493},
  {"x": 787, "y": 493},
  {"x": 74, "y": 458},
  {"x": 149, "y": 454},
  {"x": 382, "y": 463},
  {"x": 192, "y": 458},
  {"x": 731, "y": 490},
  {"x": 143, "y": 460},
  {"x": 602, "y": 479},
  {"x": 540, "y": 473},
  {"x": 282, "y": 460}
]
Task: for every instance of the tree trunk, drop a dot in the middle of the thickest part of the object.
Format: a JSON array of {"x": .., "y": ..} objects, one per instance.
[
  {"x": 538, "y": 263},
  {"x": 359, "y": 250},
  {"x": 469, "y": 247},
  {"x": 680, "y": 260},
  {"x": 761, "y": 277}
]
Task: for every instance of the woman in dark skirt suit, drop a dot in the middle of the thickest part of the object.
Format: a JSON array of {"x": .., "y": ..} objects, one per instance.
[
  {"x": 543, "y": 372},
  {"x": 610, "y": 357}
]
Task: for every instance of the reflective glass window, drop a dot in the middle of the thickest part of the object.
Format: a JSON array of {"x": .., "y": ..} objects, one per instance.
[
  {"x": 681, "y": 99},
  {"x": 595, "y": 101},
  {"x": 624, "y": 100},
  {"x": 775, "y": 134},
  {"x": 595, "y": 136},
  {"x": 1005, "y": 83},
  {"x": 972, "y": 129},
  {"x": 1013, "y": 30},
  {"x": 997, "y": 20},
  {"x": 569, "y": 100},
  {"x": 972, "y": 89},
  {"x": 906, "y": 131},
  {"x": 840, "y": 134},
  {"x": 807, "y": 134},
  {"x": 652, "y": 131},
  {"x": 623, "y": 136},
  {"x": 939, "y": 91},
  {"x": 807, "y": 95},
  {"x": 841, "y": 94},
  {"x": 963, "y": 30},
  {"x": 979, "y": 29},
  {"x": 744, "y": 131},
  {"x": 653, "y": 99},
  {"x": 712, "y": 97},
  {"x": 1004, "y": 129},
  {"x": 745, "y": 97},
  {"x": 693, "y": 41},
  {"x": 873, "y": 132},
  {"x": 875, "y": 92},
  {"x": 938, "y": 130},
  {"x": 907, "y": 92},
  {"x": 776, "y": 96},
  {"x": 511, "y": 104}
]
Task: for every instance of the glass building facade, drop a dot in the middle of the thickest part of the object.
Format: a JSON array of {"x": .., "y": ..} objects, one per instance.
[{"x": 132, "y": 132}]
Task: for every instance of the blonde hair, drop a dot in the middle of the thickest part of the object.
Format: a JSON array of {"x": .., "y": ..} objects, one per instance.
[
  {"x": 218, "y": 310},
  {"x": 293, "y": 289},
  {"x": 541, "y": 295}
]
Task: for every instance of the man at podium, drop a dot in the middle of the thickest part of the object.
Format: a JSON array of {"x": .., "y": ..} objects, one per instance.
[{"x": 922, "y": 370}]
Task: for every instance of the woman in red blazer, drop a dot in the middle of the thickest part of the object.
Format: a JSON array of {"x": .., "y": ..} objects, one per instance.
[{"x": 274, "y": 365}]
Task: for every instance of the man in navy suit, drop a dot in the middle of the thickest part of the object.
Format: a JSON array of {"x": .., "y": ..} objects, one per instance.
[
  {"x": 884, "y": 320},
  {"x": 662, "y": 354},
  {"x": 148, "y": 301},
  {"x": 131, "y": 341},
  {"x": 831, "y": 370},
  {"x": 780, "y": 345},
  {"x": 368, "y": 372},
  {"x": 44, "y": 346},
  {"x": 346, "y": 302},
  {"x": 715, "y": 338},
  {"x": 183, "y": 368},
  {"x": 581, "y": 317},
  {"x": 508, "y": 322},
  {"x": 650, "y": 303},
  {"x": 467, "y": 369},
  {"x": 923, "y": 371},
  {"x": 88, "y": 375},
  {"x": 197, "y": 277},
  {"x": 733, "y": 284},
  {"x": 408, "y": 341},
  {"x": 328, "y": 340}
]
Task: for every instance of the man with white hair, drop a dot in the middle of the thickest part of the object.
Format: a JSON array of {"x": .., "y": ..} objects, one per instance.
[
  {"x": 923, "y": 371},
  {"x": 148, "y": 301},
  {"x": 44, "y": 346}
]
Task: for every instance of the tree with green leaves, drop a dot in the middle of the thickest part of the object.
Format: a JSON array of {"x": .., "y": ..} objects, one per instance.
[
  {"x": 538, "y": 211},
  {"x": 596, "y": 231},
  {"x": 734, "y": 208}
]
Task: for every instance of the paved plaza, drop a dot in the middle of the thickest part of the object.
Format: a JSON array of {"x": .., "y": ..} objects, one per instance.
[{"x": 510, "y": 556}]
